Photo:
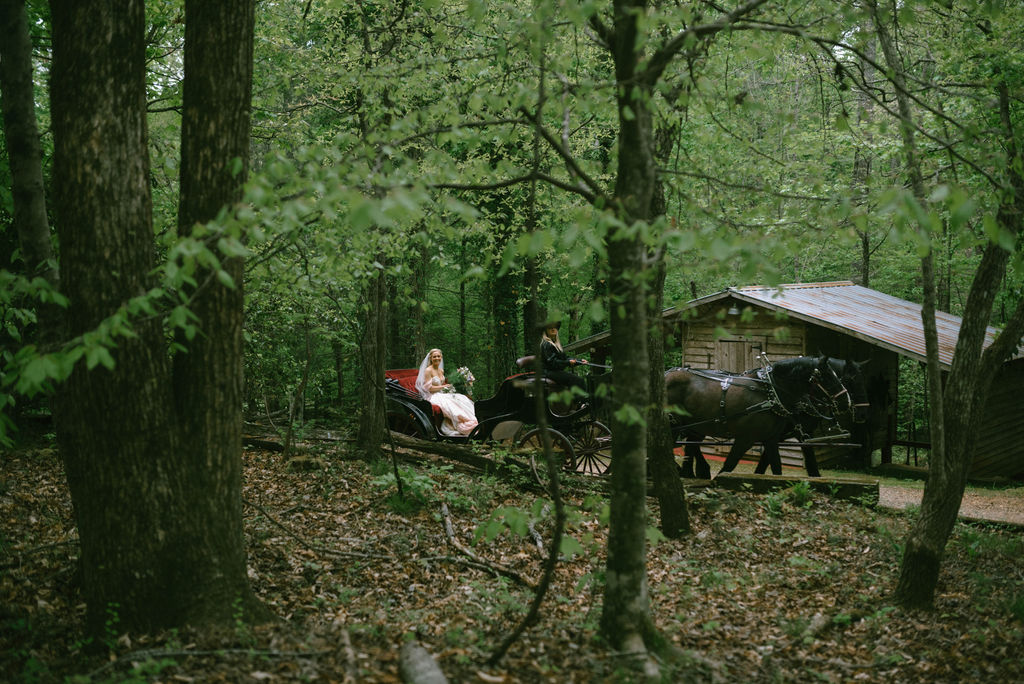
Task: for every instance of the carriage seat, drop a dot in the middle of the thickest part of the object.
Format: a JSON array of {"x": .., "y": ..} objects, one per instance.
[
  {"x": 531, "y": 364},
  {"x": 406, "y": 379},
  {"x": 527, "y": 362}
]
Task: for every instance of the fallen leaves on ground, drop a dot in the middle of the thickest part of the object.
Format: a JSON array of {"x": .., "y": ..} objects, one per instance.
[{"x": 765, "y": 588}]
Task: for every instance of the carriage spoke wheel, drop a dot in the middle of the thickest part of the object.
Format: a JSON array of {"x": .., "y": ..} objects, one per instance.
[
  {"x": 404, "y": 423},
  {"x": 533, "y": 442},
  {"x": 592, "y": 443}
]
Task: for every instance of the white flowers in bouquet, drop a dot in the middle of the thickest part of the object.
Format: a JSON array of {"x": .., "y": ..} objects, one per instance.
[
  {"x": 463, "y": 376},
  {"x": 467, "y": 377}
]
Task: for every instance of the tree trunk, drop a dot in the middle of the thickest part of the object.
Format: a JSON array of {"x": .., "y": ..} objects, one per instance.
[
  {"x": 675, "y": 518},
  {"x": 954, "y": 413},
  {"x": 668, "y": 487},
  {"x": 372, "y": 352},
  {"x": 337, "y": 352},
  {"x": 864, "y": 154},
  {"x": 503, "y": 297},
  {"x": 208, "y": 379},
  {"x": 419, "y": 291},
  {"x": 967, "y": 387},
  {"x": 25, "y": 156},
  {"x": 155, "y": 481},
  {"x": 626, "y": 610}
]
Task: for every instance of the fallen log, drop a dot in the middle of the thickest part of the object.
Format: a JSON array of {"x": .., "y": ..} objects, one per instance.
[
  {"x": 262, "y": 444},
  {"x": 458, "y": 452}
]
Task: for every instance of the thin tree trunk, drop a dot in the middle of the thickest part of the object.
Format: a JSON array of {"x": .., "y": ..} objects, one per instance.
[
  {"x": 372, "y": 352},
  {"x": 419, "y": 291},
  {"x": 339, "y": 371},
  {"x": 625, "y": 619},
  {"x": 298, "y": 397},
  {"x": 675, "y": 518},
  {"x": 954, "y": 413},
  {"x": 462, "y": 305},
  {"x": 25, "y": 156}
]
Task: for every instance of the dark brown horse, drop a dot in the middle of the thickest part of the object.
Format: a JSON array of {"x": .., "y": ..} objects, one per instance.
[
  {"x": 851, "y": 419},
  {"x": 757, "y": 406}
]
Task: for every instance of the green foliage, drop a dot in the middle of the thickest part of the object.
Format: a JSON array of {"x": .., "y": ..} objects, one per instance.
[
  {"x": 978, "y": 543},
  {"x": 418, "y": 489},
  {"x": 512, "y": 518},
  {"x": 800, "y": 494}
]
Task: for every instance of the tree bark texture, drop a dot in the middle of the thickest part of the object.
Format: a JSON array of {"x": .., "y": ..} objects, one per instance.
[
  {"x": 626, "y": 609},
  {"x": 153, "y": 461},
  {"x": 22, "y": 137},
  {"x": 25, "y": 155},
  {"x": 214, "y": 162},
  {"x": 675, "y": 518}
]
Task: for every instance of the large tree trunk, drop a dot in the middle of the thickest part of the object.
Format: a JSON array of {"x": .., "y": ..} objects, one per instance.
[
  {"x": 208, "y": 379},
  {"x": 152, "y": 463},
  {"x": 626, "y": 612}
]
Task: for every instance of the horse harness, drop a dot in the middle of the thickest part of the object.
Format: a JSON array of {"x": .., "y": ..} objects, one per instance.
[
  {"x": 763, "y": 381},
  {"x": 727, "y": 380}
]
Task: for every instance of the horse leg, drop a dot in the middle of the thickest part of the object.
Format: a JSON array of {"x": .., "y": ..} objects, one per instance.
[
  {"x": 686, "y": 469},
  {"x": 739, "y": 448},
  {"x": 762, "y": 463},
  {"x": 703, "y": 469},
  {"x": 774, "y": 457},
  {"x": 769, "y": 457},
  {"x": 810, "y": 461}
]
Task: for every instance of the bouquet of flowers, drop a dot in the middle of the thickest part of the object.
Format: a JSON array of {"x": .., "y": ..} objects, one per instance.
[{"x": 463, "y": 379}]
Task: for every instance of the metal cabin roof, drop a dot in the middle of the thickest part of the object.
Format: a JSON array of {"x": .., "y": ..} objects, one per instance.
[{"x": 867, "y": 314}]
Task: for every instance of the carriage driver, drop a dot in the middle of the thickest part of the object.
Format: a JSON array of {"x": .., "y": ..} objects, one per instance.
[{"x": 555, "y": 359}]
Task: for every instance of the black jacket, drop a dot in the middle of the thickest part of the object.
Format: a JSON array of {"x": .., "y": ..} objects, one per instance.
[{"x": 554, "y": 358}]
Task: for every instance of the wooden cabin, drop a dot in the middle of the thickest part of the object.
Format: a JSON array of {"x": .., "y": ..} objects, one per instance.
[{"x": 729, "y": 330}]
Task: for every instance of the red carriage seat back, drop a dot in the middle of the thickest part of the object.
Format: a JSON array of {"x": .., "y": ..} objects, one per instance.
[{"x": 406, "y": 377}]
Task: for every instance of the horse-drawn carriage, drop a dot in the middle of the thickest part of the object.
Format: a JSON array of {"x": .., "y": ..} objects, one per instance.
[
  {"x": 765, "y": 405},
  {"x": 581, "y": 443}
]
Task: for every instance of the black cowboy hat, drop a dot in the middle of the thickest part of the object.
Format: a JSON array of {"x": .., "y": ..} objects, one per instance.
[{"x": 549, "y": 324}]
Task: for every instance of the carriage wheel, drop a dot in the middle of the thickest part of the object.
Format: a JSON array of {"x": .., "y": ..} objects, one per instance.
[
  {"x": 404, "y": 423},
  {"x": 593, "y": 445},
  {"x": 564, "y": 454}
]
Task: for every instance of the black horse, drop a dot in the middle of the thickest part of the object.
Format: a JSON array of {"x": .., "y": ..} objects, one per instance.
[
  {"x": 758, "y": 406},
  {"x": 854, "y": 417}
]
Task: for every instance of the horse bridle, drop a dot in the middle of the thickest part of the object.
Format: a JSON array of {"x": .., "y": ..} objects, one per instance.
[
  {"x": 833, "y": 399},
  {"x": 810, "y": 406}
]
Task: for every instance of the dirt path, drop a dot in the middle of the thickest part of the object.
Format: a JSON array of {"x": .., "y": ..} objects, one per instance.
[{"x": 996, "y": 506}]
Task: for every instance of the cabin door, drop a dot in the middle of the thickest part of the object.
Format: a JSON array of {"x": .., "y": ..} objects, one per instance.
[{"x": 738, "y": 355}]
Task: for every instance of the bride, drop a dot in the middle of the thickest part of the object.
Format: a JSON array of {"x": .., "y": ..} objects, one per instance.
[{"x": 459, "y": 414}]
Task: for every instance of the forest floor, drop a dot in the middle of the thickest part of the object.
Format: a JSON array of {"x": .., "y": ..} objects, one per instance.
[{"x": 790, "y": 586}]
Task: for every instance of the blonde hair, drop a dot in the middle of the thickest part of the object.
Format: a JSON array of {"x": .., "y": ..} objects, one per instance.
[{"x": 544, "y": 338}]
